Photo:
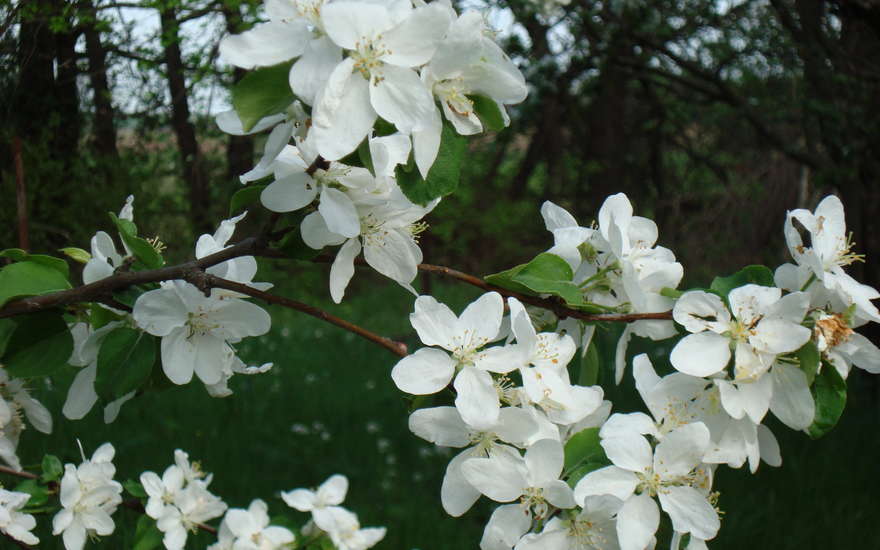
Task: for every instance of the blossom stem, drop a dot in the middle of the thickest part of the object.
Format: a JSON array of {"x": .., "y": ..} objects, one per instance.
[
  {"x": 809, "y": 282},
  {"x": 17, "y": 473},
  {"x": 138, "y": 506},
  {"x": 212, "y": 281}
]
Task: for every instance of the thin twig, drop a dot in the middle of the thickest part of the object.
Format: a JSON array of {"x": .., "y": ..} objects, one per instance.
[
  {"x": 103, "y": 290},
  {"x": 212, "y": 281},
  {"x": 17, "y": 542},
  {"x": 318, "y": 163},
  {"x": 138, "y": 506},
  {"x": 561, "y": 310},
  {"x": 17, "y": 473}
]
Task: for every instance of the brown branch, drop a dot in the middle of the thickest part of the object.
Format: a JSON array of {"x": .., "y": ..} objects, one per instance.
[
  {"x": 205, "y": 280},
  {"x": 318, "y": 163},
  {"x": 561, "y": 310},
  {"x": 103, "y": 290},
  {"x": 17, "y": 473},
  {"x": 16, "y": 541}
]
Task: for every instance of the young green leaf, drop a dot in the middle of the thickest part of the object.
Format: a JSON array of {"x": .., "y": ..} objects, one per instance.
[
  {"x": 829, "y": 392},
  {"x": 76, "y": 254},
  {"x": 134, "y": 488},
  {"x": 140, "y": 248},
  {"x": 589, "y": 374},
  {"x": 545, "y": 274},
  {"x": 147, "y": 536},
  {"x": 30, "y": 278},
  {"x": 262, "y": 92},
  {"x": 40, "y": 345},
  {"x": 124, "y": 362},
  {"x": 52, "y": 468},
  {"x": 39, "y": 493},
  {"x": 244, "y": 197},
  {"x": 583, "y": 448},
  {"x": 809, "y": 358},
  {"x": 19, "y": 255},
  {"x": 7, "y": 327},
  {"x": 489, "y": 112},
  {"x": 753, "y": 274},
  {"x": 443, "y": 175}
]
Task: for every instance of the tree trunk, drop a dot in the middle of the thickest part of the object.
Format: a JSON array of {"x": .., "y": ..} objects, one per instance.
[
  {"x": 194, "y": 174},
  {"x": 104, "y": 138},
  {"x": 240, "y": 149}
]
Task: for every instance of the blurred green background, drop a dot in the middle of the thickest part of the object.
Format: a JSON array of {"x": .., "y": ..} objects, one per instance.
[{"x": 714, "y": 117}]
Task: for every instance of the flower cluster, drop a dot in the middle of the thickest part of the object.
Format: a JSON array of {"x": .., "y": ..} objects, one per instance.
[
  {"x": 351, "y": 63},
  {"x": 745, "y": 351},
  {"x": 618, "y": 266},
  {"x": 331, "y": 519},
  {"x": 16, "y": 402},
  {"x": 89, "y": 496},
  {"x": 197, "y": 329},
  {"x": 180, "y": 500},
  {"x": 14, "y": 523}
]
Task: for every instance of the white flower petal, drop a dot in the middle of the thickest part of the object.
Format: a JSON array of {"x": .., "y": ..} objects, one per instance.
[
  {"x": 690, "y": 512},
  {"x": 701, "y": 354},
  {"x": 637, "y": 521},
  {"x": 425, "y": 372}
]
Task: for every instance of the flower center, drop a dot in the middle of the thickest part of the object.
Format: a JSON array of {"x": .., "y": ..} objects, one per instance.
[
  {"x": 533, "y": 499},
  {"x": 368, "y": 56},
  {"x": 587, "y": 534},
  {"x": 833, "y": 330},
  {"x": 198, "y": 324},
  {"x": 452, "y": 93}
]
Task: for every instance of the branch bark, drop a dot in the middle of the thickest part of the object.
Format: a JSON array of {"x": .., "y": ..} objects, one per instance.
[{"x": 212, "y": 281}]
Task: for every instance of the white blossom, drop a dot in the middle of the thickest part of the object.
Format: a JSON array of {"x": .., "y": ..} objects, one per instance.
[
  {"x": 14, "y": 523},
  {"x": 89, "y": 496}
]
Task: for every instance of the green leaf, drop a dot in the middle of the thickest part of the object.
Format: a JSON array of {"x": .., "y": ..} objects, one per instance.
[
  {"x": 7, "y": 327},
  {"x": 829, "y": 393},
  {"x": 52, "y": 468},
  {"x": 76, "y": 254},
  {"x": 383, "y": 128},
  {"x": 753, "y": 274},
  {"x": 583, "y": 448},
  {"x": 39, "y": 493},
  {"x": 40, "y": 345},
  {"x": 292, "y": 243},
  {"x": 809, "y": 358},
  {"x": 443, "y": 175},
  {"x": 244, "y": 197},
  {"x": 19, "y": 255},
  {"x": 146, "y": 535},
  {"x": 365, "y": 156},
  {"x": 262, "y": 92},
  {"x": 124, "y": 362},
  {"x": 575, "y": 475},
  {"x": 589, "y": 374},
  {"x": 30, "y": 278},
  {"x": 489, "y": 112},
  {"x": 673, "y": 293},
  {"x": 14, "y": 254},
  {"x": 545, "y": 274},
  {"x": 140, "y": 248},
  {"x": 134, "y": 488},
  {"x": 100, "y": 316}
]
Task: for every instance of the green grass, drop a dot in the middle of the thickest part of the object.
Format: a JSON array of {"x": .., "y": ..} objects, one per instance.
[{"x": 329, "y": 406}]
